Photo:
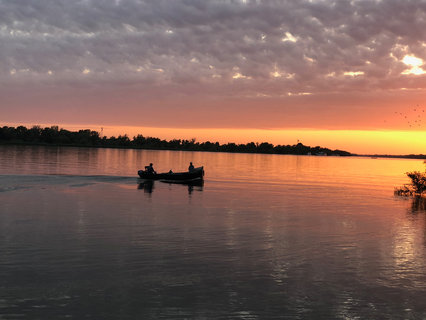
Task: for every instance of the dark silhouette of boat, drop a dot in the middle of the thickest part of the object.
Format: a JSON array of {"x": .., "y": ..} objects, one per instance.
[{"x": 187, "y": 176}]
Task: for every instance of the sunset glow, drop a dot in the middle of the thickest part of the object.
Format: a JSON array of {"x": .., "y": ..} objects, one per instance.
[
  {"x": 415, "y": 64},
  {"x": 412, "y": 61},
  {"x": 334, "y": 74},
  {"x": 356, "y": 141}
]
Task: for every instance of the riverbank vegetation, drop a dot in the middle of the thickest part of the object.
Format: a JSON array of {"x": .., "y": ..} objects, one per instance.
[
  {"x": 88, "y": 138},
  {"x": 417, "y": 186}
]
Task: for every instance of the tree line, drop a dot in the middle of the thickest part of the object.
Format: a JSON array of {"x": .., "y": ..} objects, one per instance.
[{"x": 88, "y": 138}]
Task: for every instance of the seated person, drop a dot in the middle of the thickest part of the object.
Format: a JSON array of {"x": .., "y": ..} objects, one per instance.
[
  {"x": 191, "y": 167},
  {"x": 150, "y": 169}
]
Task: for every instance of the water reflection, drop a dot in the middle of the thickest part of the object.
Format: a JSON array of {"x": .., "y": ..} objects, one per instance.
[
  {"x": 418, "y": 204},
  {"x": 271, "y": 237},
  {"x": 195, "y": 185},
  {"x": 148, "y": 185}
]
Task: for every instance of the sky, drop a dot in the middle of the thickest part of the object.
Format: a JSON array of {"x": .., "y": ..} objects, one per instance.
[{"x": 340, "y": 74}]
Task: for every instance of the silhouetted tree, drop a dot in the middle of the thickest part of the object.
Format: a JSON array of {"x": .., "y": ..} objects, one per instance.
[{"x": 87, "y": 137}]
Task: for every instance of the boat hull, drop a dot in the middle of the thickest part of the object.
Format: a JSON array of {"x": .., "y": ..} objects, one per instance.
[{"x": 193, "y": 175}]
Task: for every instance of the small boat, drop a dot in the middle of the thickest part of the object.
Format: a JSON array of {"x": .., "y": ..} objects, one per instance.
[{"x": 193, "y": 175}]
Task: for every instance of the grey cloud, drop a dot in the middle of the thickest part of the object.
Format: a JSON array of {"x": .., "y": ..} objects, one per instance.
[{"x": 195, "y": 45}]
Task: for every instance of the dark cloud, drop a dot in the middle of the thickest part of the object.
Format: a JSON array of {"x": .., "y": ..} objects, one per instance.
[{"x": 219, "y": 48}]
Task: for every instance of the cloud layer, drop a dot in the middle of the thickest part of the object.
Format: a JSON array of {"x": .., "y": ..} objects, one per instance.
[{"x": 266, "y": 63}]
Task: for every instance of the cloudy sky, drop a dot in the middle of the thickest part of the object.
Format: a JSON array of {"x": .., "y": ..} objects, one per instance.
[{"x": 220, "y": 64}]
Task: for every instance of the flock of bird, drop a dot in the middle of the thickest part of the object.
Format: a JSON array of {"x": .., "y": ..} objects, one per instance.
[{"x": 414, "y": 118}]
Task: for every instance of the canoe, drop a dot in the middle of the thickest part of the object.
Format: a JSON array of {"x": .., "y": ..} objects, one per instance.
[{"x": 193, "y": 175}]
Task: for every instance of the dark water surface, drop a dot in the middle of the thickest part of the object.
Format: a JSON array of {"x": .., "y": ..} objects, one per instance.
[{"x": 266, "y": 236}]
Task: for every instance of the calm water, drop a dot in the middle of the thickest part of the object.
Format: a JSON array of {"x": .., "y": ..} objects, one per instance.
[{"x": 266, "y": 236}]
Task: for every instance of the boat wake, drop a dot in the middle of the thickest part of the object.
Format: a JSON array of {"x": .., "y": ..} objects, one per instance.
[{"x": 9, "y": 183}]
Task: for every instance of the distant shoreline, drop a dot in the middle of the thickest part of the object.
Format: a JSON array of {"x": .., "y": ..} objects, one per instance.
[
  {"x": 53, "y": 136},
  {"x": 408, "y": 156}
]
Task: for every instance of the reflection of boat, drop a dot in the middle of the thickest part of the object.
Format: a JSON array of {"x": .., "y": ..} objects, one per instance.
[
  {"x": 147, "y": 186},
  {"x": 191, "y": 183},
  {"x": 197, "y": 184},
  {"x": 176, "y": 177}
]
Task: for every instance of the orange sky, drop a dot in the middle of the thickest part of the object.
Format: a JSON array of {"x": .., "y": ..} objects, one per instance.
[{"x": 355, "y": 141}]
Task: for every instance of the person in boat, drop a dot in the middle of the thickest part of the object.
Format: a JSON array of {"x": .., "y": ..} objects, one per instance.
[
  {"x": 150, "y": 169},
  {"x": 191, "y": 167}
]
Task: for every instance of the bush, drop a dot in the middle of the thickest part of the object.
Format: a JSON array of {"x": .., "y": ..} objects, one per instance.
[{"x": 416, "y": 187}]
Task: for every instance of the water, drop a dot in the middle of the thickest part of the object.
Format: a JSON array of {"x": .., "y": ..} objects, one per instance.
[{"x": 266, "y": 236}]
